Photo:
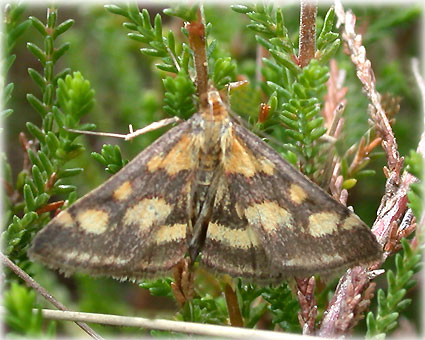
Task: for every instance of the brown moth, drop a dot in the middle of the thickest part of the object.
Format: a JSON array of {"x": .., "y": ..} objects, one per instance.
[{"x": 209, "y": 188}]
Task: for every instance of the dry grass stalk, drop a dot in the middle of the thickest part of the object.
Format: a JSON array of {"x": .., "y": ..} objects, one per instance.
[
  {"x": 45, "y": 294},
  {"x": 307, "y": 315},
  {"x": 354, "y": 289}
]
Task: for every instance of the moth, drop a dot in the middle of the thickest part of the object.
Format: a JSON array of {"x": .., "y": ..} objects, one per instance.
[{"x": 212, "y": 190}]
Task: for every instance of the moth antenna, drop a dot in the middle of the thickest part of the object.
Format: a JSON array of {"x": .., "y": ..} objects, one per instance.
[
  {"x": 95, "y": 133},
  {"x": 132, "y": 134}
]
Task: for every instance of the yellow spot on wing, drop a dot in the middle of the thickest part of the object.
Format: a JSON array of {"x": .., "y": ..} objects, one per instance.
[
  {"x": 239, "y": 159},
  {"x": 351, "y": 221},
  {"x": 93, "y": 220},
  {"x": 169, "y": 233},
  {"x": 297, "y": 194},
  {"x": 181, "y": 157},
  {"x": 269, "y": 215},
  {"x": 239, "y": 238},
  {"x": 155, "y": 163},
  {"x": 222, "y": 191},
  {"x": 65, "y": 219},
  {"x": 81, "y": 257},
  {"x": 123, "y": 191},
  {"x": 215, "y": 260},
  {"x": 147, "y": 212},
  {"x": 323, "y": 223},
  {"x": 266, "y": 166},
  {"x": 314, "y": 261},
  {"x": 110, "y": 260},
  {"x": 76, "y": 256}
]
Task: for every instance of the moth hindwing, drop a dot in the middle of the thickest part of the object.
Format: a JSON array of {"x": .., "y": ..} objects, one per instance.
[{"x": 212, "y": 188}]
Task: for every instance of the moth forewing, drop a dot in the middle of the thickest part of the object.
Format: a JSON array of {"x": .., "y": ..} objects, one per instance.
[
  {"x": 303, "y": 229},
  {"x": 135, "y": 224}
]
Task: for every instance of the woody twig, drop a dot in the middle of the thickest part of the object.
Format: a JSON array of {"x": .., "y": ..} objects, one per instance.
[
  {"x": 354, "y": 290},
  {"x": 307, "y": 50},
  {"x": 183, "y": 286},
  {"x": 334, "y": 107},
  {"x": 233, "y": 306},
  {"x": 44, "y": 293},
  {"x": 334, "y": 97},
  {"x": 332, "y": 113},
  {"x": 367, "y": 78},
  {"x": 196, "y": 31},
  {"x": 351, "y": 298},
  {"x": 208, "y": 330},
  {"x": 307, "y": 315},
  {"x": 307, "y": 45},
  {"x": 397, "y": 185}
]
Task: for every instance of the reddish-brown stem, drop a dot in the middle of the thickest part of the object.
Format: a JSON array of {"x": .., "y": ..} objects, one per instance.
[
  {"x": 339, "y": 315},
  {"x": 392, "y": 209},
  {"x": 182, "y": 287},
  {"x": 196, "y": 31},
  {"x": 308, "y": 313},
  {"x": 332, "y": 112},
  {"x": 307, "y": 45},
  {"x": 233, "y": 307},
  {"x": 50, "y": 207}
]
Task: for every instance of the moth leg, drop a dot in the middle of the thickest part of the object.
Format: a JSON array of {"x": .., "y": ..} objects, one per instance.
[
  {"x": 203, "y": 219},
  {"x": 132, "y": 134},
  {"x": 183, "y": 285},
  {"x": 200, "y": 231}
]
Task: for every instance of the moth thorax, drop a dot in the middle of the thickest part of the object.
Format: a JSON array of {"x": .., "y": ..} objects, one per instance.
[
  {"x": 216, "y": 104},
  {"x": 210, "y": 149},
  {"x": 209, "y": 158},
  {"x": 202, "y": 185},
  {"x": 219, "y": 111},
  {"x": 205, "y": 175},
  {"x": 209, "y": 161}
]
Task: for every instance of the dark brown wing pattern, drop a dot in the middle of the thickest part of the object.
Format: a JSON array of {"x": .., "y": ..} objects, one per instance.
[
  {"x": 269, "y": 221},
  {"x": 135, "y": 224}
]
